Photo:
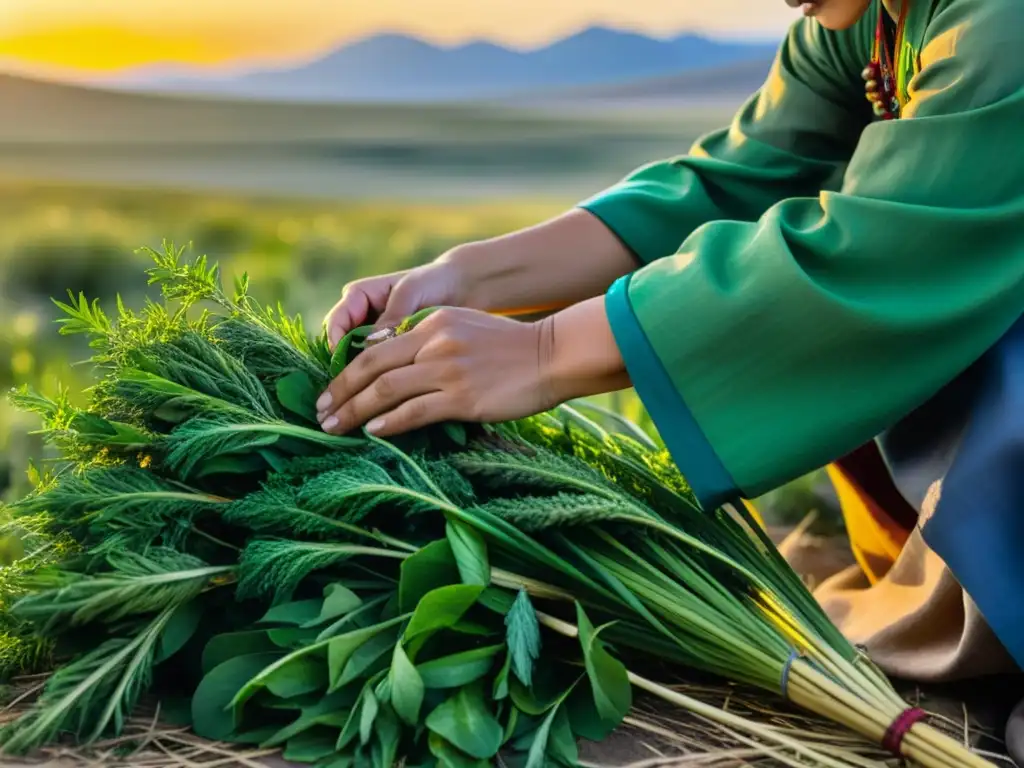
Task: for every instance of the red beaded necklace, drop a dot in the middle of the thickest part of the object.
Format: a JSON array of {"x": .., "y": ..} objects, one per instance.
[{"x": 880, "y": 74}]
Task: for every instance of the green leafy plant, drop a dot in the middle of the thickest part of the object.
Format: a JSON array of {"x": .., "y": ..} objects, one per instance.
[{"x": 438, "y": 599}]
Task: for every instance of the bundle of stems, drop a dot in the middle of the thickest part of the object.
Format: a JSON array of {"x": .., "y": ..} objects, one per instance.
[{"x": 437, "y": 599}]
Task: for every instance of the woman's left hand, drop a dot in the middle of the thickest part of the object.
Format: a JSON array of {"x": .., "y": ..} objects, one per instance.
[{"x": 456, "y": 364}]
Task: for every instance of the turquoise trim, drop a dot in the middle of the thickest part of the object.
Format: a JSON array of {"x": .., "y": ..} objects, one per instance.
[{"x": 690, "y": 449}]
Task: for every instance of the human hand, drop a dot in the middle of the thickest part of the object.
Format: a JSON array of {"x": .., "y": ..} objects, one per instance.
[
  {"x": 456, "y": 364},
  {"x": 466, "y": 365},
  {"x": 392, "y": 297}
]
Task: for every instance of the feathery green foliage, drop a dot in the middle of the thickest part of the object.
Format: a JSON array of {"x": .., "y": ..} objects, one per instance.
[{"x": 426, "y": 600}]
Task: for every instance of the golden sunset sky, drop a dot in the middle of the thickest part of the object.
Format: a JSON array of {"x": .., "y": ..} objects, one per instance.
[{"x": 90, "y": 36}]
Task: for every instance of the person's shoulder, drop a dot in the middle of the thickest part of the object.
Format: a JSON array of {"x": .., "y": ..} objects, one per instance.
[{"x": 972, "y": 51}]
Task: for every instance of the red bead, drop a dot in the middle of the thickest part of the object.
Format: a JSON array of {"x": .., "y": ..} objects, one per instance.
[{"x": 871, "y": 86}]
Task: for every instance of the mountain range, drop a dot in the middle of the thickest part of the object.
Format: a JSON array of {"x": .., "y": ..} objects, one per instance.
[{"x": 399, "y": 68}]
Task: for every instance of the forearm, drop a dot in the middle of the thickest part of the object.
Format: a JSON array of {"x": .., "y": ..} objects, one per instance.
[
  {"x": 578, "y": 353},
  {"x": 563, "y": 261}
]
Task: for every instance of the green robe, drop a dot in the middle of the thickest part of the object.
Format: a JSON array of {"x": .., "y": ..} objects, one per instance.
[{"x": 811, "y": 276}]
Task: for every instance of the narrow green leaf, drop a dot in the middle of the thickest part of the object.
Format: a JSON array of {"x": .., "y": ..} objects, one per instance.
[
  {"x": 297, "y": 613},
  {"x": 341, "y": 648},
  {"x": 427, "y": 569},
  {"x": 609, "y": 679},
  {"x": 470, "y": 552},
  {"x": 467, "y": 723},
  {"x": 407, "y": 687},
  {"x": 523, "y": 637},
  {"x": 366, "y": 717},
  {"x": 501, "y": 687}
]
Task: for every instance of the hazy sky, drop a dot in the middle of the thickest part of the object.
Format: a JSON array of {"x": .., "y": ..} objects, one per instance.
[{"x": 113, "y": 34}]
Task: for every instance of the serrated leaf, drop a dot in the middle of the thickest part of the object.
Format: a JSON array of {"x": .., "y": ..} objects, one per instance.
[{"x": 522, "y": 634}]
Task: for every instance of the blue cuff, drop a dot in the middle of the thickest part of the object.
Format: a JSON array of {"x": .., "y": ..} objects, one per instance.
[{"x": 704, "y": 471}]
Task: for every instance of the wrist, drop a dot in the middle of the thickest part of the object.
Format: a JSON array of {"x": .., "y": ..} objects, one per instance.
[
  {"x": 577, "y": 353},
  {"x": 473, "y": 268}
]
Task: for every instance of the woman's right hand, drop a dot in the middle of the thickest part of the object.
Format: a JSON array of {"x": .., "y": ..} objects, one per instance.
[{"x": 389, "y": 299}]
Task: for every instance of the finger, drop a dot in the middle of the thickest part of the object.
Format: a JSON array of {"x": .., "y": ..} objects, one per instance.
[
  {"x": 401, "y": 303},
  {"x": 347, "y": 314},
  {"x": 368, "y": 366},
  {"x": 413, "y": 414},
  {"x": 384, "y": 394}
]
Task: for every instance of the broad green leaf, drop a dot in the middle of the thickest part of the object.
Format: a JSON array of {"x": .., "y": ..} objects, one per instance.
[
  {"x": 341, "y": 648},
  {"x": 211, "y": 717},
  {"x": 498, "y": 600},
  {"x": 180, "y": 628},
  {"x": 439, "y": 609},
  {"x": 427, "y": 569},
  {"x": 456, "y": 432},
  {"x": 297, "y": 614},
  {"x": 304, "y": 674},
  {"x": 466, "y": 721},
  {"x": 458, "y": 669},
  {"x": 609, "y": 680},
  {"x": 296, "y": 393},
  {"x": 450, "y": 757},
  {"x": 220, "y": 648},
  {"x": 311, "y": 745},
  {"x": 470, "y": 552},
  {"x": 407, "y": 687},
  {"x": 338, "y": 601},
  {"x": 522, "y": 633},
  {"x": 582, "y": 712},
  {"x": 344, "y": 352}
]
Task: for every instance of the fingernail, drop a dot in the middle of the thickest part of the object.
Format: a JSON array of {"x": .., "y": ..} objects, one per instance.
[
  {"x": 324, "y": 402},
  {"x": 376, "y": 425},
  {"x": 334, "y": 335},
  {"x": 329, "y": 423}
]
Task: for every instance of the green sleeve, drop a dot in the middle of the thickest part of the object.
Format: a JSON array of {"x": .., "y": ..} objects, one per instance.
[
  {"x": 793, "y": 138},
  {"x": 764, "y": 350}
]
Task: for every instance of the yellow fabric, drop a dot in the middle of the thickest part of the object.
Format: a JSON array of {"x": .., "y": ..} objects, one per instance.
[{"x": 875, "y": 547}]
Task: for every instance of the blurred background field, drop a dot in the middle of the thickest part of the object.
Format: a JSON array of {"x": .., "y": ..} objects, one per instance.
[{"x": 372, "y": 155}]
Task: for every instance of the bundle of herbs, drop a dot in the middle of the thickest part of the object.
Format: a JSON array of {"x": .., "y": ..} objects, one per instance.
[{"x": 438, "y": 599}]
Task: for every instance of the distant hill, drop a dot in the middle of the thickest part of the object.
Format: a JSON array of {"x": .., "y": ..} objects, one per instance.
[{"x": 398, "y": 68}]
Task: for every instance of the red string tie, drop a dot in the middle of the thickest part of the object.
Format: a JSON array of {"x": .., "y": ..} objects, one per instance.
[{"x": 900, "y": 727}]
